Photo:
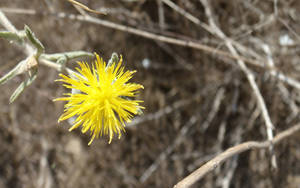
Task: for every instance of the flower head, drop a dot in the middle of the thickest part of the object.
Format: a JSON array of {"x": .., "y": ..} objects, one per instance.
[{"x": 105, "y": 98}]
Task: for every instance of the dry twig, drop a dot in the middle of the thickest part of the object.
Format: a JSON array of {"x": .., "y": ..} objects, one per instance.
[
  {"x": 76, "y": 3},
  {"x": 185, "y": 43},
  {"x": 169, "y": 149},
  {"x": 219, "y": 159},
  {"x": 162, "y": 112},
  {"x": 249, "y": 75}
]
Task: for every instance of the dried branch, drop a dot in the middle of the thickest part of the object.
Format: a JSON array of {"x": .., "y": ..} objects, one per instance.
[
  {"x": 249, "y": 75},
  {"x": 179, "y": 138},
  {"x": 146, "y": 34},
  {"x": 164, "y": 111},
  {"x": 219, "y": 159},
  {"x": 185, "y": 43}
]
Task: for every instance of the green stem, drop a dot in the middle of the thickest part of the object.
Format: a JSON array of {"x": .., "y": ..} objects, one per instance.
[{"x": 68, "y": 55}]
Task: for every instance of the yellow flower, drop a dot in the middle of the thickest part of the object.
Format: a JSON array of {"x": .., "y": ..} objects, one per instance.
[{"x": 105, "y": 101}]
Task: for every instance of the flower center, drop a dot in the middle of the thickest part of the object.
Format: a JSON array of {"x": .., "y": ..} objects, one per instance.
[{"x": 104, "y": 93}]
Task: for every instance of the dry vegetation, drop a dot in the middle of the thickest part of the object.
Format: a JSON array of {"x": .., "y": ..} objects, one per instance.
[{"x": 198, "y": 102}]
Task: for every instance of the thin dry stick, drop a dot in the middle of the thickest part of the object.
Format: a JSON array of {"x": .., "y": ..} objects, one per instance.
[
  {"x": 215, "y": 107},
  {"x": 289, "y": 28},
  {"x": 45, "y": 178},
  {"x": 208, "y": 28},
  {"x": 219, "y": 159},
  {"x": 266, "y": 48},
  {"x": 188, "y": 15},
  {"x": 229, "y": 174},
  {"x": 169, "y": 149},
  {"x": 275, "y": 7},
  {"x": 249, "y": 75},
  {"x": 161, "y": 14},
  {"x": 153, "y": 36},
  {"x": 179, "y": 42},
  {"x": 292, "y": 82},
  {"x": 231, "y": 166},
  {"x": 162, "y": 112},
  {"x": 76, "y": 3},
  {"x": 18, "y": 11},
  {"x": 211, "y": 30},
  {"x": 161, "y": 38}
]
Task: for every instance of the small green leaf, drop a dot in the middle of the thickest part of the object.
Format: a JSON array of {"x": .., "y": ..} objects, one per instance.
[
  {"x": 31, "y": 37},
  {"x": 114, "y": 59},
  {"x": 21, "y": 87},
  {"x": 14, "y": 72}
]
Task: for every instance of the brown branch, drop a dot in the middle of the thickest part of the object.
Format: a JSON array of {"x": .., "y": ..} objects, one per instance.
[
  {"x": 250, "y": 76},
  {"x": 219, "y": 159},
  {"x": 162, "y": 38}
]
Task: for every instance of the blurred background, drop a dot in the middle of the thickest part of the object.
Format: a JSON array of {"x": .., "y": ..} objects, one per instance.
[{"x": 197, "y": 103}]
